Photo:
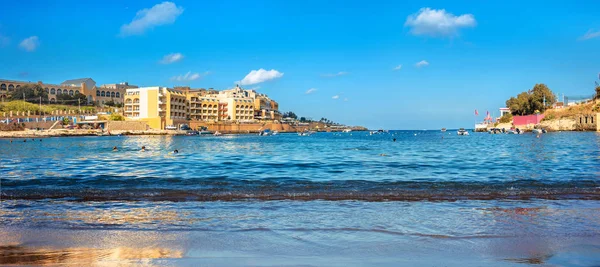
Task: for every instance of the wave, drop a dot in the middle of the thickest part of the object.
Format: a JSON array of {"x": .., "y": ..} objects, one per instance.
[{"x": 223, "y": 189}]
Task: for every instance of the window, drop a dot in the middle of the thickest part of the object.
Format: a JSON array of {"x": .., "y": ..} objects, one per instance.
[
  {"x": 3, "y": 87},
  {"x": 52, "y": 91},
  {"x": 76, "y": 92},
  {"x": 102, "y": 94},
  {"x": 112, "y": 94},
  {"x": 71, "y": 92},
  {"x": 118, "y": 95},
  {"x": 11, "y": 87},
  {"x": 47, "y": 90},
  {"x": 128, "y": 101},
  {"x": 97, "y": 93},
  {"x": 59, "y": 91}
]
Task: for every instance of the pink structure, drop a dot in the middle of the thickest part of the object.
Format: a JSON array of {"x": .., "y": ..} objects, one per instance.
[{"x": 530, "y": 119}]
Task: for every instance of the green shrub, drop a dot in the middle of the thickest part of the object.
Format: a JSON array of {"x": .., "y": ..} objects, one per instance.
[
  {"x": 506, "y": 118},
  {"x": 116, "y": 117},
  {"x": 549, "y": 117}
]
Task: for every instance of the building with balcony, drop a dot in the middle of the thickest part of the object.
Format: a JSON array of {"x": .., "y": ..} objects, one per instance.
[
  {"x": 234, "y": 104},
  {"x": 7, "y": 87},
  {"x": 158, "y": 106},
  {"x": 114, "y": 92}
]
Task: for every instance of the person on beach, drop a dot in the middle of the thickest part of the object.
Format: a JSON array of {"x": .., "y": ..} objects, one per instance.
[
  {"x": 143, "y": 148},
  {"x": 115, "y": 148}
]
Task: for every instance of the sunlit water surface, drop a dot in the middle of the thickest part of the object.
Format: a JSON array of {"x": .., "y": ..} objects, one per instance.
[{"x": 330, "y": 199}]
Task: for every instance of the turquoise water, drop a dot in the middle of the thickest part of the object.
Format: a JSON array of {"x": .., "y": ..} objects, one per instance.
[{"x": 334, "y": 199}]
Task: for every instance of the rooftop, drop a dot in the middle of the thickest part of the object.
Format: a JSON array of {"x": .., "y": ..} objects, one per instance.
[{"x": 77, "y": 81}]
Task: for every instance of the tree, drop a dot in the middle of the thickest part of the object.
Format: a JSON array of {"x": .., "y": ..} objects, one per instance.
[
  {"x": 31, "y": 92},
  {"x": 111, "y": 103},
  {"x": 302, "y": 119},
  {"x": 76, "y": 99},
  {"x": 116, "y": 117},
  {"x": 538, "y": 94},
  {"x": 290, "y": 114},
  {"x": 597, "y": 92},
  {"x": 529, "y": 102}
]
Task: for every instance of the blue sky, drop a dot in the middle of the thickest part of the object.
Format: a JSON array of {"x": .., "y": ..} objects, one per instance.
[{"x": 478, "y": 53}]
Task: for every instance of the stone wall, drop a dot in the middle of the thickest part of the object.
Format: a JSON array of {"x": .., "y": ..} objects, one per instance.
[
  {"x": 586, "y": 122},
  {"x": 126, "y": 126},
  {"x": 245, "y": 127}
]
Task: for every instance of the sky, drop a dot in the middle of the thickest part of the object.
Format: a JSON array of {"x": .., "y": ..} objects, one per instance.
[{"x": 379, "y": 64}]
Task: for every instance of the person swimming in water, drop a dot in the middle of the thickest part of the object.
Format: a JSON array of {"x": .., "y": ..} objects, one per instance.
[
  {"x": 394, "y": 139},
  {"x": 115, "y": 148},
  {"x": 175, "y": 151},
  {"x": 143, "y": 148}
]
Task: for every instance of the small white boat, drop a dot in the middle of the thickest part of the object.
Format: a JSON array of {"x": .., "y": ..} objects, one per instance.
[
  {"x": 217, "y": 133},
  {"x": 305, "y": 133},
  {"x": 462, "y": 131},
  {"x": 265, "y": 132},
  {"x": 347, "y": 130}
]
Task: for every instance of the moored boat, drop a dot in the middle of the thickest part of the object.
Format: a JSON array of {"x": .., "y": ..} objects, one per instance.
[{"x": 462, "y": 131}]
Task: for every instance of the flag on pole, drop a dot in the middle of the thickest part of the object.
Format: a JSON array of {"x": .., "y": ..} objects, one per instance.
[{"x": 476, "y": 113}]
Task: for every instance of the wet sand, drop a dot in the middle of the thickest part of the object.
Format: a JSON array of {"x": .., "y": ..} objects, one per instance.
[{"x": 261, "y": 247}]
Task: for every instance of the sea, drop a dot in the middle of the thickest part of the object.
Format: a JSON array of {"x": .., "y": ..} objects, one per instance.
[{"x": 398, "y": 198}]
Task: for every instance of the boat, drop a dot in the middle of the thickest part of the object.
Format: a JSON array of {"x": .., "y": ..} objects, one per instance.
[
  {"x": 217, "y": 133},
  {"x": 275, "y": 132},
  {"x": 204, "y": 132},
  {"x": 191, "y": 132},
  {"x": 537, "y": 131},
  {"x": 443, "y": 129},
  {"x": 265, "y": 132},
  {"x": 305, "y": 133},
  {"x": 462, "y": 131},
  {"x": 347, "y": 130}
]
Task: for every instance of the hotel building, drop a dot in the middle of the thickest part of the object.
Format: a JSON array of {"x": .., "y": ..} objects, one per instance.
[
  {"x": 85, "y": 86},
  {"x": 159, "y": 107}
]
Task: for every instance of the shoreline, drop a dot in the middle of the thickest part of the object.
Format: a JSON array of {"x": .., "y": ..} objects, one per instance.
[{"x": 76, "y": 133}]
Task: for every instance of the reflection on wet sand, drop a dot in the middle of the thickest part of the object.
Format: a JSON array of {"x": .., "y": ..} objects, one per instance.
[{"x": 119, "y": 256}]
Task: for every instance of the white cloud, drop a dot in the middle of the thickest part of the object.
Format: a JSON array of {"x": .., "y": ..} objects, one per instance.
[
  {"x": 171, "y": 58},
  {"x": 590, "y": 35},
  {"x": 259, "y": 76},
  {"x": 311, "y": 90},
  {"x": 422, "y": 63},
  {"x": 438, "y": 23},
  {"x": 254, "y": 88},
  {"x": 335, "y": 74},
  {"x": 160, "y": 14},
  {"x": 30, "y": 44},
  {"x": 397, "y": 67},
  {"x": 189, "y": 76},
  {"x": 335, "y": 97}
]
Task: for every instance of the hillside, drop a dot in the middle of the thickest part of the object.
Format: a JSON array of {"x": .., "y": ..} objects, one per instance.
[{"x": 567, "y": 119}]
